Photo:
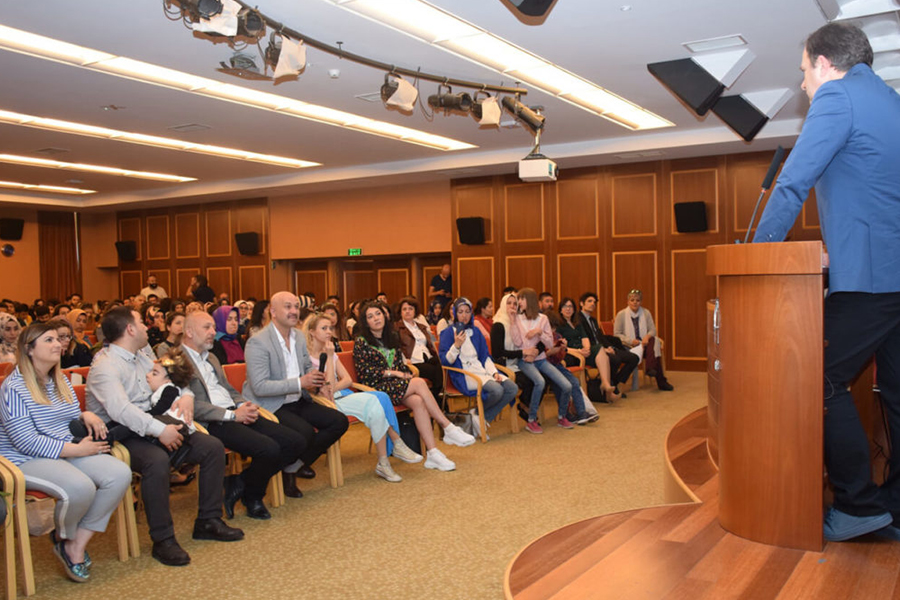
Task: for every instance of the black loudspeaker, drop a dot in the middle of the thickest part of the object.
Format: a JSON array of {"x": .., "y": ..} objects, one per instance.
[
  {"x": 247, "y": 243},
  {"x": 127, "y": 250},
  {"x": 470, "y": 230},
  {"x": 690, "y": 82},
  {"x": 744, "y": 118},
  {"x": 11, "y": 229},
  {"x": 690, "y": 217}
]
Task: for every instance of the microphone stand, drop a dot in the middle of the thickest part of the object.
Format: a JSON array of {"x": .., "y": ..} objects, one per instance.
[{"x": 753, "y": 216}]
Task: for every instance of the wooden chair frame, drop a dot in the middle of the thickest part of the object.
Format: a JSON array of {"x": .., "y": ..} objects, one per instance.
[{"x": 451, "y": 393}]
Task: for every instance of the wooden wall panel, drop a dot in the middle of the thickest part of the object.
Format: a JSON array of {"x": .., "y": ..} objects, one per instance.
[
  {"x": 252, "y": 282},
  {"x": 475, "y": 202},
  {"x": 131, "y": 282},
  {"x": 634, "y": 270},
  {"x": 526, "y": 271},
  {"x": 577, "y": 209},
  {"x": 523, "y": 207},
  {"x": 634, "y": 205},
  {"x": 251, "y": 219},
  {"x": 475, "y": 277},
  {"x": 221, "y": 280},
  {"x": 163, "y": 278},
  {"x": 699, "y": 185},
  {"x": 744, "y": 193},
  {"x": 219, "y": 239},
  {"x": 315, "y": 281},
  {"x": 158, "y": 239},
  {"x": 359, "y": 284},
  {"x": 187, "y": 235},
  {"x": 130, "y": 230},
  {"x": 578, "y": 273},
  {"x": 183, "y": 280},
  {"x": 394, "y": 283},
  {"x": 691, "y": 288}
]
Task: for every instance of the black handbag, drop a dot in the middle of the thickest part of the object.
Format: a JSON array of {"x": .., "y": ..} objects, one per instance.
[
  {"x": 408, "y": 431},
  {"x": 463, "y": 420},
  {"x": 595, "y": 391}
]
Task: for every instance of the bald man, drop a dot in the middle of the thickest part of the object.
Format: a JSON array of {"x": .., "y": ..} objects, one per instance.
[
  {"x": 279, "y": 379},
  {"x": 235, "y": 421}
]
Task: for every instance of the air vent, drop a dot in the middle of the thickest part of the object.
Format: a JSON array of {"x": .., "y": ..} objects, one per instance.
[
  {"x": 188, "y": 127},
  {"x": 52, "y": 151}
]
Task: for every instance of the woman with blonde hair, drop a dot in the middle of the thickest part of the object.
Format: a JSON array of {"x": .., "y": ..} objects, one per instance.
[{"x": 37, "y": 404}]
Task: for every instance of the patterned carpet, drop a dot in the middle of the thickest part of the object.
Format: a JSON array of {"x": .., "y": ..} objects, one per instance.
[{"x": 435, "y": 535}]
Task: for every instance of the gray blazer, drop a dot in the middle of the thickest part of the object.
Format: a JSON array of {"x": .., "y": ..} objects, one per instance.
[
  {"x": 204, "y": 410},
  {"x": 267, "y": 383}
]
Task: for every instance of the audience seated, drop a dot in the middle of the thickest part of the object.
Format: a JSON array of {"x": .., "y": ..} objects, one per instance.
[
  {"x": 484, "y": 318},
  {"x": 379, "y": 364},
  {"x": 259, "y": 318},
  {"x": 280, "y": 377},
  {"x": 339, "y": 330},
  {"x": 571, "y": 327},
  {"x": 445, "y": 320},
  {"x": 174, "y": 329},
  {"x": 434, "y": 312},
  {"x": 38, "y": 404},
  {"x": 416, "y": 345},
  {"x": 545, "y": 302},
  {"x": 154, "y": 288},
  {"x": 73, "y": 354},
  {"x": 374, "y": 409},
  {"x": 504, "y": 350},
  {"x": 9, "y": 335},
  {"x": 235, "y": 421},
  {"x": 621, "y": 361},
  {"x": 155, "y": 320},
  {"x": 584, "y": 410},
  {"x": 464, "y": 347},
  {"x": 228, "y": 346},
  {"x": 117, "y": 390},
  {"x": 634, "y": 326}
]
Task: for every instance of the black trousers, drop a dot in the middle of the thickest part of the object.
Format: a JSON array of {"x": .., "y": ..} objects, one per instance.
[
  {"x": 858, "y": 326},
  {"x": 271, "y": 447},
  {"x": 433, "y": 372},
  {"x": 152, "y": 462},
  {"x": 318, "y": 425},
  {"x": 622, "y": 363}
]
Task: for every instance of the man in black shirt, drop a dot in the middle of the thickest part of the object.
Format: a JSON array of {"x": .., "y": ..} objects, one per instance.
[{"x": 442, "y": 286}]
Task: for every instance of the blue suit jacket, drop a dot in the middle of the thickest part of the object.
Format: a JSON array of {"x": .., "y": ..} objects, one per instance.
[{"x": 850, "y": 149}]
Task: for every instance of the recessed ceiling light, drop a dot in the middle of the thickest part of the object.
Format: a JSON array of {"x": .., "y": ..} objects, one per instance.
[
  {"x": 53, "y": 189},
  {"x": 718, "y": 43},
  {"x": 149, "y": 140},
  {"x": 31, "y": 44},
  {"x": 56, "y": 164}
]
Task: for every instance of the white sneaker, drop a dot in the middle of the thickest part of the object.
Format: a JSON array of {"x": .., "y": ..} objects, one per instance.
[
  {"x": 437, "y": 460},
  {"x": 384, "y": 469},
  {"x": 405, "y": 453},
  {"x": 476, "y": 425},
  {"x": 455, "y": 436}
]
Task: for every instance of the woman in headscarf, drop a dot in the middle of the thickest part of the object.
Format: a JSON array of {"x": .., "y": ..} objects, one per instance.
[
  {"x": 9, "y": 333},
  {"x": 228, "y": 347}
]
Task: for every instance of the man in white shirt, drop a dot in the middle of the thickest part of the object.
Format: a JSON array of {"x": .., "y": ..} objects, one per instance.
[
  {"x": 235, "y": 421},
  {"x": 154, "y": 289}
]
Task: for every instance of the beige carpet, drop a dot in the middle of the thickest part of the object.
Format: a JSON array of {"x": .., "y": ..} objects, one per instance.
[{"x": 433, "y": 536}]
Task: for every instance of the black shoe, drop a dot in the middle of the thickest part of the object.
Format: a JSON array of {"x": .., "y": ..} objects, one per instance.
[
  {"x": 664, "y": 386},
  {"x": 168, "y": 552},
  {"x": 234, "y": 491},
  {"x": 216, "y": 529},
  {"x": 306, "y": 472},
  {"x": 651, "y": 372},
  {"x": 523, "y": 412},
  {"x": 290, "y": 485},
  {"x": 257, "y": 510}
]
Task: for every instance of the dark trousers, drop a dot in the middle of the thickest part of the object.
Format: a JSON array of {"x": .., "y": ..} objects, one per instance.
[
  {"x": 652, "y": 362},
  {"x": 432, "y": 372},
  {"x": 622, "y": 364},
  {"x": 271, "y": 447},
  {"x": 858, "y": 326},
  {"x": 152, "y": 462},
  {"x": 318, "y": 425}
]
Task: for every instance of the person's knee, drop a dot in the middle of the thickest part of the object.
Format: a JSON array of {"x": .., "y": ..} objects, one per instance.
[
  {"x": 414, "y": 401},
  {"x": 208, "y": 450}
]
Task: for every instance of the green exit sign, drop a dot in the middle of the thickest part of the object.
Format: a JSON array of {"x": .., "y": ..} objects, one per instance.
[{"x": 354, "y": 252}]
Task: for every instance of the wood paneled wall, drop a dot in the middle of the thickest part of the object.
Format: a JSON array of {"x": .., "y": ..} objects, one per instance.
[
  {"x": 179, "y": 242},
  {"x": 612, "y": 229}
]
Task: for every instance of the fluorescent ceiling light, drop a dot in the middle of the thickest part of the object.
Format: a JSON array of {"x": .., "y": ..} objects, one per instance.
[
  {"x": 57, "y": 164},
  {"x": 54, "y": 189},
  {"x": 39, "y": 46},
  {"x": 718, "y": 43},
  {"x": 444, "y": 30},
  {"x": 13, "y": 118}
]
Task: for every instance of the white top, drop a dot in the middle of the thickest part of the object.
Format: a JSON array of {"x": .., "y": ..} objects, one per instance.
[
  {"x": 468, "y": 357},
  {"x": 154, "y": 400},
  {"x": 218, "y": 395},
  {"x": 158, "y": 291},
  {"x": 420, "y": 351},
  {"x": 291, "y": 362}
]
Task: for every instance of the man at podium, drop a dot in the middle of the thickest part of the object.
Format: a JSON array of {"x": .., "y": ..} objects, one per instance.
[{"x": 849, "y": 148}]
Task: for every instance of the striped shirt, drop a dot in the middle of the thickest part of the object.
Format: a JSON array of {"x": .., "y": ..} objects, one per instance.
[{"x": 32, "y": 430}]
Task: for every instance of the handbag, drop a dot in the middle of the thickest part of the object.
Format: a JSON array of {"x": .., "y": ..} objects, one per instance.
[
  {"x": 595, "y": 391},
  {"x": 408, "y": 431}
]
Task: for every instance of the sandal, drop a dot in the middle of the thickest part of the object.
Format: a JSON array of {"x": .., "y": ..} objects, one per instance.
[
  {"x": 87, "y": 557},
  {"x": 76, "y": 572}
]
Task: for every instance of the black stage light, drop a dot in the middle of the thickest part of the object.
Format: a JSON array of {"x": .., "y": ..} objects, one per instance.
[
  {"x": 251, "y": 24},
  {"x": 528, "y": 116},
  {"x": 389, "y": 88},
  {"x": 450, "y": 101},
  {"x": 273, "y": 50}
]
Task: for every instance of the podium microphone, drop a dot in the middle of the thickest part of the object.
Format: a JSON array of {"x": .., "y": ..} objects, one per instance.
[{"x": 767, "y": 183}]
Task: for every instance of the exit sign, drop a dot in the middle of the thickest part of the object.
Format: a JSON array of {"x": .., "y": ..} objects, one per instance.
[{"x": 354, "y": 252}]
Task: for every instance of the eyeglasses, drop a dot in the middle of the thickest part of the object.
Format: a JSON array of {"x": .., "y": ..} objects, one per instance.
[
  {"x": 65, "y": 337},
  {"x": 634, "y": 291}
]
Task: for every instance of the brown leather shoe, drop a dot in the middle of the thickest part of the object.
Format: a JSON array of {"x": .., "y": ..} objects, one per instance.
[
  {"x": 290, "y": 485},
  {"x": 216, "y": 529},
  {"x": 169, "y": 553}
]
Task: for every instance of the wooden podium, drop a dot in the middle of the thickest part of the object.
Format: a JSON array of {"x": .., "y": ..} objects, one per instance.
[{"x": 765, "y": 391}]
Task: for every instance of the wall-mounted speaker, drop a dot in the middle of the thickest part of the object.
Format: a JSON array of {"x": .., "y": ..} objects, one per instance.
[
  {"x": 689, "y": 81},
  {"x": 744, "y": 118},
  {"x": 247, "y": 243},
  {"x": 470, "y": 230},
  {"x": 11, "y": 229},
  {"x": 127, "y": 250},
  {"x": 690, "y": 217}
]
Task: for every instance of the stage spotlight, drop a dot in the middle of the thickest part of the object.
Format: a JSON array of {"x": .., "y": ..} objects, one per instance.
[
  {"x": 243, "y": 66},
  {"x": 205, "y": 9},
  {"x": 251, "y": 24},
  {"x": 273, "y": 51},
  {"x": 533, "y": 120},
  {"x": 398, "y": 92},
  {"x": 486, "y": 110},
  {"x": 450, "y": 101}
]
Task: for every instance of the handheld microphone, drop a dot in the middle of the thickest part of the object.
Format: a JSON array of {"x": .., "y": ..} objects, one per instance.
[
  {"x": 767, "y": 183},
  {"x": 323, "y": 358}
]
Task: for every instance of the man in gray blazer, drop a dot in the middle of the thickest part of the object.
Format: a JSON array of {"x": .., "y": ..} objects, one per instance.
[
  {"x": 279, "y": 378},
  {"x": 227, "y": 416}
]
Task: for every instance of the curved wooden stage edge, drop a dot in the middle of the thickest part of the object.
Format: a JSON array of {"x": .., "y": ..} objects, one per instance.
[{"x": 681, "y": 551}]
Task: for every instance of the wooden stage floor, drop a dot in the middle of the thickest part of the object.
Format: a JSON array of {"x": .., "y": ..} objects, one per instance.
[{"x": 680, "y": 551}]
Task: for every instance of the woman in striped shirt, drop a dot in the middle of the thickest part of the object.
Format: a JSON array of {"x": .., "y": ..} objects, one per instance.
[{"x": 37, "y": 403}]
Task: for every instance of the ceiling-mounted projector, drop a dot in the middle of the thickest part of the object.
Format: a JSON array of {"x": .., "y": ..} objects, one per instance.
[{"x": 537, "y": 167}]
